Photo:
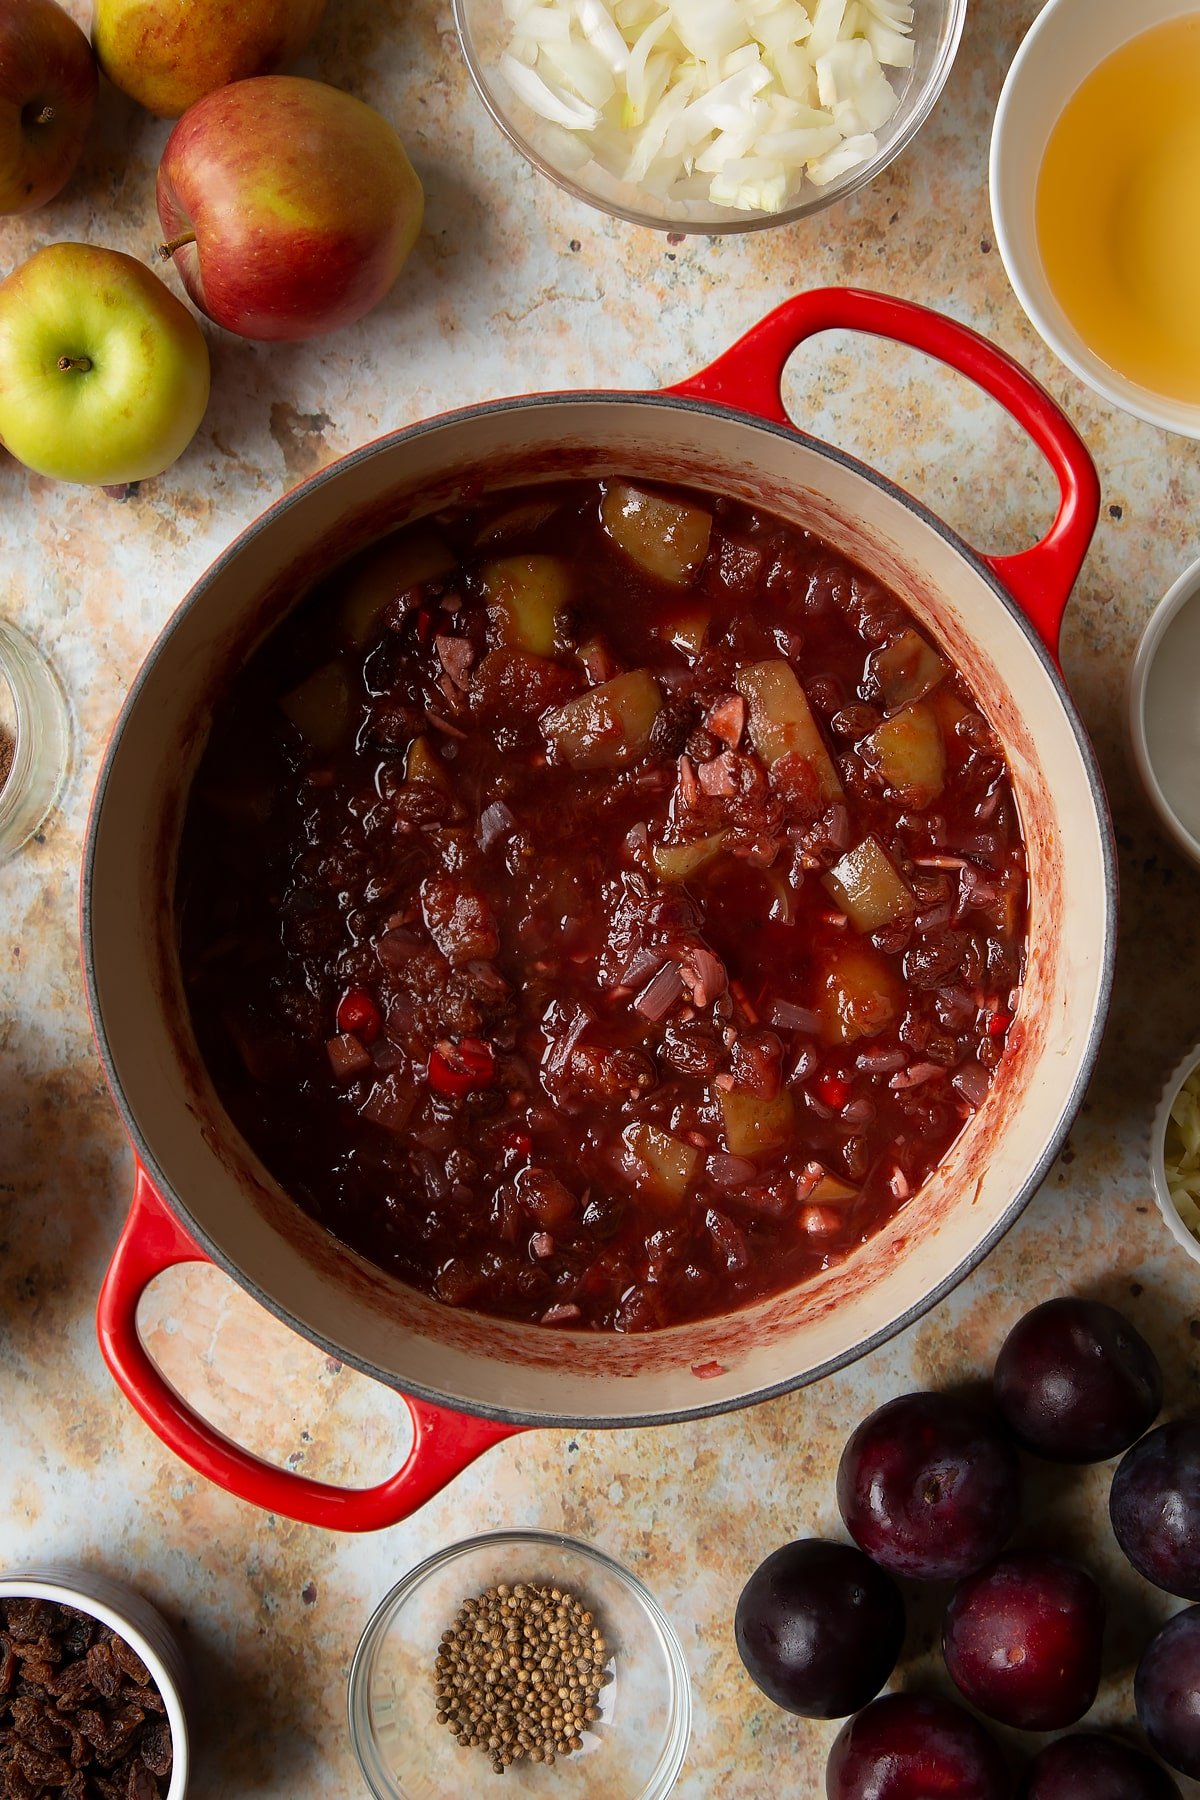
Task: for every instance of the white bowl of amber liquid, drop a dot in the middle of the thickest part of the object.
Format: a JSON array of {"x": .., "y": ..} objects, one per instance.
[{"x": 1095, "y": 191}]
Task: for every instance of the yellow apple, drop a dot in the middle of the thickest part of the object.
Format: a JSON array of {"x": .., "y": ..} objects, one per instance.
[
  {"x": 168, "y": 53},
  {"x": 103, "y": 373}
]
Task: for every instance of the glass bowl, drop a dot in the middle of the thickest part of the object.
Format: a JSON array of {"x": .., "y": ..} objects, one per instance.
[
  {"x": 483, "y": 32},
  {"x": 634, "y": 1752},
  {"x": 1184, "y": 1236},
  {"x": 34, "y": 739}
]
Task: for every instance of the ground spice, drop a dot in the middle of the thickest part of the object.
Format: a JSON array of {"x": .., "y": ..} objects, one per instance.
[
  {"x": 6, "y": 755},
  {"x": 519, "y": 1672}
]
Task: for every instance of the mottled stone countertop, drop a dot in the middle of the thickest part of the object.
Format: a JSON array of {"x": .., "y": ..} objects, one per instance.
[{"x": 514, "y": 287}]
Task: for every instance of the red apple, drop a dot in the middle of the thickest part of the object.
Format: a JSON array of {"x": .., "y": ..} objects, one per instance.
[
  {"x": 288, "y": 206},
  {"x": 168, "y": 53},
  {"x": 48, "y": 87}
]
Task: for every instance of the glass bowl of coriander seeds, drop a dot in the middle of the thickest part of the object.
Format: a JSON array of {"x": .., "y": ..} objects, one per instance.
[{"x": 522, "y": 1655}]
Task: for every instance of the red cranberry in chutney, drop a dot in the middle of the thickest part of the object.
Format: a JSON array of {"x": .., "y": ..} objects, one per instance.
[{"x": 601, "y": 905}]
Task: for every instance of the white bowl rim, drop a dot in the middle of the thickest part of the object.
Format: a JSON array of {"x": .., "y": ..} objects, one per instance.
[
  {"x": 663, "y": 1778},
  {"x": 69, "y": 1586},
  {"x": 1128, "y": 396},
  {"x": 1177, "y": 596},
  {"x": 1158, "y": 1136}
]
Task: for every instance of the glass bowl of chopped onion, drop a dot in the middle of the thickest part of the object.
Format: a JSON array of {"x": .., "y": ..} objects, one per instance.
[
  {"x": 710, "y": 115},
  {"x": 1175, "y": 1153},
  {"x": 474, "y": 1622}
]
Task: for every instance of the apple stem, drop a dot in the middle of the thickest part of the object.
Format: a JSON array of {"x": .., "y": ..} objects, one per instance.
[
  {"x": 80, "y": 363},
  {"x": 45, "y": 116},
  {"x": 167, "y": 251}
]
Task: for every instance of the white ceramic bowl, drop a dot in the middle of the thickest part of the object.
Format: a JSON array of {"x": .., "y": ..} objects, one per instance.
[
  {"x": 1163, "y": 711},
  {"x": 1158, "y": 1171},
  {"x": 134, "y": 1619},
  {"x": 1066, "y": 42}
]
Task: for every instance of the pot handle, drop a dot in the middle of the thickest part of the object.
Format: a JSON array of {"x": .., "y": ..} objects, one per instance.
[
  {"x": 444, "y": 1442},
  {"x": 749, "y": 374}
]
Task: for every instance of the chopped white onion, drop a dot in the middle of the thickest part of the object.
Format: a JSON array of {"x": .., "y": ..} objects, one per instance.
[{"x": 735, "y": 102}]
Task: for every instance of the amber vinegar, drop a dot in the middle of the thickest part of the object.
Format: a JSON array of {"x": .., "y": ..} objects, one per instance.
[{"x": 1118, "y": 210}]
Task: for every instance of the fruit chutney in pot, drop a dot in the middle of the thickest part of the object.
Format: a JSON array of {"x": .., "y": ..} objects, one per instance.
[{"x": 598, "y": 909}]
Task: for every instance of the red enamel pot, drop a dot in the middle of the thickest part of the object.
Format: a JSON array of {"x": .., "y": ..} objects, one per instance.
[{"x": 471, "y": 1380}]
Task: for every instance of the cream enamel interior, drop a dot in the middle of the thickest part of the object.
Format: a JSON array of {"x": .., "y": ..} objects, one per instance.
[{"x": 218, "y": 1188}]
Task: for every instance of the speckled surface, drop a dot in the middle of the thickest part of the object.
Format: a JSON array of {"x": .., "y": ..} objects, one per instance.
[{"x": 513, "y": 287}]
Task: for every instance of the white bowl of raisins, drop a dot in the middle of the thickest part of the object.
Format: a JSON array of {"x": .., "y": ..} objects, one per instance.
[{"x": 91, "y": 1687}]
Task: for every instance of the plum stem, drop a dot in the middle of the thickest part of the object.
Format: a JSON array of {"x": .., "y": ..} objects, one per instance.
[
  {"x": 167, "y": 251},
  {"x": 80, "y": 363}
]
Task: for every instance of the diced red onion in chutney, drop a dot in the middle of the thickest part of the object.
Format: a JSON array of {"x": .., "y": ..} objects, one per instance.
[
  {"x": 348, "y": 1057},
  {"x": 395, "y": 948},
  {"x": 558, "y": 1049},
  {"x": 837, "y": 827},
  {"x": 389, "y": 1104},
  {"x": 495, "y": 823},
  {"x": 641, "y": 965},
  {"x": 972, "y": 1082},
  {"x": 821, "y": 1220},
  {"x": 729, "y": 1238},
  {"x": 916, "y": 1075},
  {"x": 661, "y": 993},
  {"x": 525, "y": 975},
  {"x": 568, "y": 1314},
  {"x": 986, "y": 845},
  {"x": 731, "y": 1171},
  {"x": 789, "y": 1017},
  {"x": 703, "y": 974},
  {"x": 805, "y": 1064}
]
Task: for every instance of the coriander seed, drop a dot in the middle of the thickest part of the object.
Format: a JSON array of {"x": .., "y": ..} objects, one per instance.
[{"x": 519, "y": 1672}]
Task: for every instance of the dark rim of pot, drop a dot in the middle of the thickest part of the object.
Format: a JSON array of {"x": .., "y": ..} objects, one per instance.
[{"x": 507, "y": 1415}]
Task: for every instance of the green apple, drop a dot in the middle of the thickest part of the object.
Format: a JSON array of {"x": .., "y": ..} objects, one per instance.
[
  {"x": 168, "y": 53},
  {"x": 103, "y": 372}
]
